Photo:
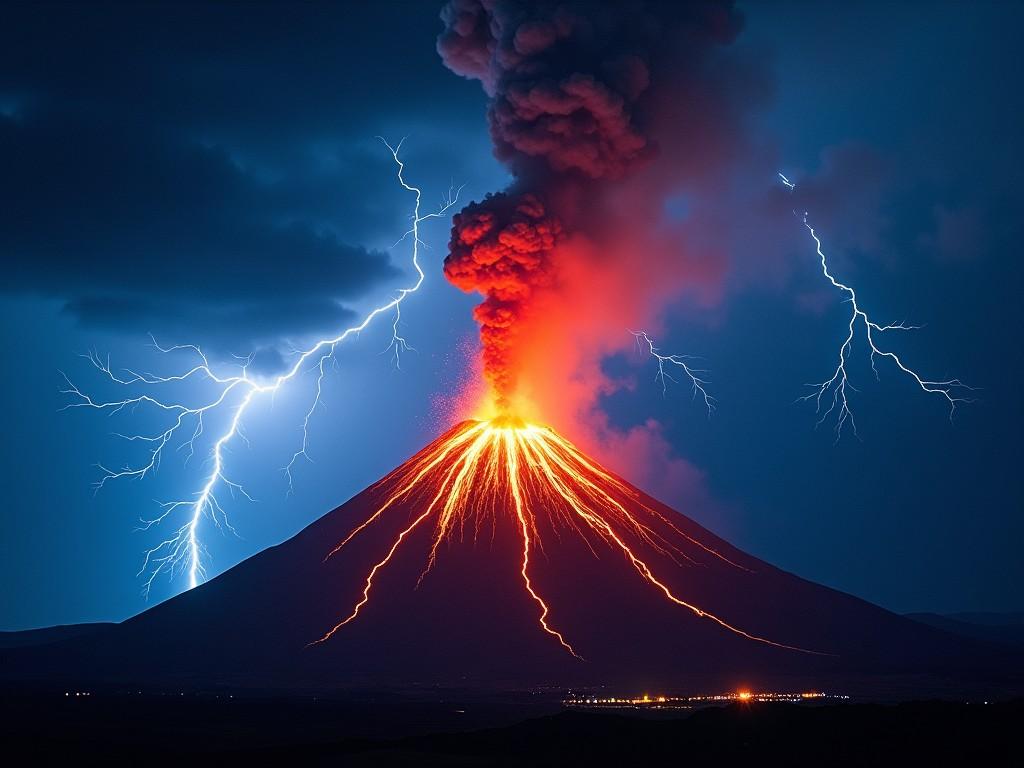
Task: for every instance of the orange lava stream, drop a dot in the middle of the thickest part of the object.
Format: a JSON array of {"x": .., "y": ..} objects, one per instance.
[{"x": 506, "y": 460}]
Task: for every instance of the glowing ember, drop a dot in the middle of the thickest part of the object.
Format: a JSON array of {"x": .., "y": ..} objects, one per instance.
[{"x": 487, "y": 467}]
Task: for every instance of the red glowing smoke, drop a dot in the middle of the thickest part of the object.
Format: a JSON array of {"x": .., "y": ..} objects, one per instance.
[
  {"x": 604, "y": 113},
  {"x": 502, "y": 248}
]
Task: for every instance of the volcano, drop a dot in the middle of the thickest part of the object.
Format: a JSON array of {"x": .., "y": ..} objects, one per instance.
[{"x": 500, "y": 556}]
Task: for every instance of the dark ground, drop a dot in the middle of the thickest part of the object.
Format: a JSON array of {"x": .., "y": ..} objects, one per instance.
[{"x": 132, "y": 728}]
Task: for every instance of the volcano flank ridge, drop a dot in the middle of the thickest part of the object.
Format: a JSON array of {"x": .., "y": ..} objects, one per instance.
[{"x": 471, "y": 621}]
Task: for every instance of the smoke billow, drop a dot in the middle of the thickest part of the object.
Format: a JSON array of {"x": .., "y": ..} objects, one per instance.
[
  {"x": 502, "y": 248},
  {"x": 604, "y": 113}
]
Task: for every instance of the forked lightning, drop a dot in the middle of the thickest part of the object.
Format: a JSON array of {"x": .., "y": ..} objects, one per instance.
[
  {"x": 183, "y": 551},
  {"x": 831, "y": 396}
]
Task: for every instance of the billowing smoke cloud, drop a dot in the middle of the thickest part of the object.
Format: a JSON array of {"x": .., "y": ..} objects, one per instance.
[
  {"x": 566, "y": 79},
  {"x": 618, "y": 121},
  {"x": 502, "y": 248}
]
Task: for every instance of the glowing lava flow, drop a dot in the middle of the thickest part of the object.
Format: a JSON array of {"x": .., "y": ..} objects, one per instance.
[
  {"x": 835, "y": 388},
  {"x": 490, "y": 467},
  {"x": 182, "y": 552}
]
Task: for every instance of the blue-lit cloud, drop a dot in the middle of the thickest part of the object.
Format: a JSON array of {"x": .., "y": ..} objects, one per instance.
[{"x": 153, "y": 183}]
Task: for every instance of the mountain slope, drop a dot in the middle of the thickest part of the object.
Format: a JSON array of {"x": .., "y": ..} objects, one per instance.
[{"x": 471, "y": 622}]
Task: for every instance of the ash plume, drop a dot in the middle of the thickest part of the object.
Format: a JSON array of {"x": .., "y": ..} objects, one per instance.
[
  {"x": 567, "y": 81},
  {"x": 602, "y": 113}
]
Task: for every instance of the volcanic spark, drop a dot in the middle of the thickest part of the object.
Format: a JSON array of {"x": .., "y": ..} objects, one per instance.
[
  {"x": 489, "y": 467},
  {"x": 183, "y": 551},
  {"x": 833, "y": 391}
]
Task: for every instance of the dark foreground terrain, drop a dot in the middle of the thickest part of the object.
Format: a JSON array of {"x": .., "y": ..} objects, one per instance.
[{"x": 131, "y": 728}]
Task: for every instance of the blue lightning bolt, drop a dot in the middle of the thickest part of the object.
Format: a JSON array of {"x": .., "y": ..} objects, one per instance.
[
  {"x": 684, "y": 364},
  {"x": 183, "y": 551},
  {"x": 831, "y": 394}
]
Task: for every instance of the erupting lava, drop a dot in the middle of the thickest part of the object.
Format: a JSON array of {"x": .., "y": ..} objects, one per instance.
[
  {"x": 569, "y": 101},
  {"x": 484, "y": 468}
]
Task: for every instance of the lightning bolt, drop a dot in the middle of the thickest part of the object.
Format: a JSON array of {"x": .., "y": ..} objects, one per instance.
[
  {"x": 831, "y": 396},
  {"x": 684, "y": 364},
  {"x": 183, "y": 552}
]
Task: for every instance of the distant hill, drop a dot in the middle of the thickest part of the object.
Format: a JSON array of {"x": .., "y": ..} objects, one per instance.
[
  {"x": 46, "y": 635},
  {"x": 1005, "y": 628}
]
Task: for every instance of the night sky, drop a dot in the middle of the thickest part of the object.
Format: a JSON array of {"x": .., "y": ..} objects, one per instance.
[{"x": 211, "y": 174}]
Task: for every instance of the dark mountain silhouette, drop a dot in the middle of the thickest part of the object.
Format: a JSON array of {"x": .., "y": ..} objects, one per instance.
[
  {"x": 471, "y": 624},
  {"x": 46, "y": 635},
  {"x": 1006, "y": 628}
]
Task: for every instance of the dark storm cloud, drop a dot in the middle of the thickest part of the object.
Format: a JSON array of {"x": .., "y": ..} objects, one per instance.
[
  {"x": 129, "y": 226},
  {"x": 195, "y": 169}
]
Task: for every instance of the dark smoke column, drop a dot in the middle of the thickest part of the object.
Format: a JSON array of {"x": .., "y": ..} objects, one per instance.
[{"x": 567, "y": 84}]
